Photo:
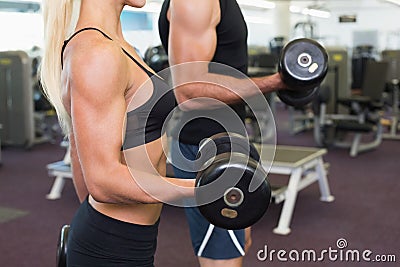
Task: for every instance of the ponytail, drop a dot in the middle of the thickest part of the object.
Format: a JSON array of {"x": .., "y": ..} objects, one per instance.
[{"x": 57, "y": 18}]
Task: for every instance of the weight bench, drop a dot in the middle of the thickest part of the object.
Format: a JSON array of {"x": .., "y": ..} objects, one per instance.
[
  {"x": 305, "y": 166},
  {"x": 60, "y": 170}
]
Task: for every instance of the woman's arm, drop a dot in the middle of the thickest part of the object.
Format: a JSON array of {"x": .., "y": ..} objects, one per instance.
[
  {"x": 77, "y": 175},
  {"x": 97, "y": 83}
]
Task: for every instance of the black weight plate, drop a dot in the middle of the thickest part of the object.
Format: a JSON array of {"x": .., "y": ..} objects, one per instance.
[
  {"x": 254, "y": 204},
  {"x": 307, "y": 76},
  {"x": 62, "y": 247},
  {"x": 298, "y": 98},
  {"x": 226, "y": 143}
]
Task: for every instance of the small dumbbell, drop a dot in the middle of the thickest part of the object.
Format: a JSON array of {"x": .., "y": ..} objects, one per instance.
[
  {"x": 302, "y": 66},
  {"x": 232, "y": 189},
  {"x": 62, "y": 246}
]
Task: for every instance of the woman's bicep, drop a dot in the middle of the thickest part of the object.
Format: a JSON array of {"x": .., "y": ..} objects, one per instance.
[{"x": 98, "y": 111}]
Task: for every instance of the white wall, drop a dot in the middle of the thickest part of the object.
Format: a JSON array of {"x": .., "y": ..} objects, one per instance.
[
  {"x": 383, "y": 22},
  {"x": 24, "y": 30},
  {"x": 20, "y": 31},
  {"x": 260, "y": 26},
  {"x": 144, "y": 39}
]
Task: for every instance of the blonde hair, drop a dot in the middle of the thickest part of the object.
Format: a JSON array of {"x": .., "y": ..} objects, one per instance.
[{"x": 58, "y": 22}]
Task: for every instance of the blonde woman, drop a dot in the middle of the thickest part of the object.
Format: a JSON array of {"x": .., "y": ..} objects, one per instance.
[{"x": 92, "y": 77}]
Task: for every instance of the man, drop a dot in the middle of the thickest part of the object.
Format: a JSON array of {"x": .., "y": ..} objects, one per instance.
[{"x": 210, "y": 31}]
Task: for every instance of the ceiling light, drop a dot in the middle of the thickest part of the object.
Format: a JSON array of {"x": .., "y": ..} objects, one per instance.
[
  {"x": 316, "y": 13},
  {"x": 396, "y": 2},
  {"x": 257, "y": 20},
  {"x": 295, "y": 9},
  {"x": 310, "y": 12},
  {"x": 257, "y": 4}
]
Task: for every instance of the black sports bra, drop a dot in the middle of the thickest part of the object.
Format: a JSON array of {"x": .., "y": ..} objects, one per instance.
[{"x": 144, "y": 123}]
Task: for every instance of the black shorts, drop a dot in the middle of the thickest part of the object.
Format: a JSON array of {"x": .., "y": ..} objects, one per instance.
[{"x": 98, "y": 240}]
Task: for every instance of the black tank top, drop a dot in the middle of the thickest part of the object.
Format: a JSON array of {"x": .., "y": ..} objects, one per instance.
[
  {"x": 231, "y": 50},
  {"x": 144, "y": 123}
]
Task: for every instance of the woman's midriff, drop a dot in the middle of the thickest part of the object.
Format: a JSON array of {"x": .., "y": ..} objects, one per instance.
[{"x": 154, "y": 163}]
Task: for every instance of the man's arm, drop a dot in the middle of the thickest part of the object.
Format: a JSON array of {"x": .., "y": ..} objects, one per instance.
[
  {"x": 193, "y": 38},
  {"x": 193, "y": 35}
]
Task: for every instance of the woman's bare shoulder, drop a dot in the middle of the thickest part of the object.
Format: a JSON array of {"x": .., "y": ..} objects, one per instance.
[{"x": 96, "y": 62}]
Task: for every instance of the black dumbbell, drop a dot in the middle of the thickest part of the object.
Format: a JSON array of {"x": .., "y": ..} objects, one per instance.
[
  {"x": 62, "y": 247},
  {"x": 302, "y": 66},
  {"x": 232, "y": 190}
]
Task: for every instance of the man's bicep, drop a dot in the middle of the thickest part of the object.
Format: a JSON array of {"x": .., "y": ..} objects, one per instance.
[{"x": 192, "y": 33}]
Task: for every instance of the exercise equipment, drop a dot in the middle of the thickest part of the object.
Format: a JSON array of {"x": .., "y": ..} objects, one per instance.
[
  {"x": 276, "y": 45},
  {"x": 303, "y": 65},
  {"x": 363, "y": 117},
  {"x": 60, "y": 170},
  {"x": 392, "y": 93},
  {"x": 45, "y": 118},
  {"x": 304, "y": 167},
  {"x": 16, "y": 105},
  {"x": 156, "y": 58},
  {"x": 1, "y": 127},
  {"x": 361, "y": 55},
  {"x": 232, "y": 189},
  {"x": 62, "y": 247},
  {"x": 25, "y": 113}
]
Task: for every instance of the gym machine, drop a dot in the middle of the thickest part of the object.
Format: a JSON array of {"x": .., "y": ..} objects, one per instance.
[
  {"x": 16, "y": 104},
  {"x": 1, "y": 127},
  {"x": 335, "y": 85},
  {"x": 45, "y": 121},
  {"x": 361, "y": 55},
  {"x": 393, "y": 91},
  {"x": 261, "y": 63},
  {"x": 363, "y": 117},
  {"x": 24, "y": 110}
]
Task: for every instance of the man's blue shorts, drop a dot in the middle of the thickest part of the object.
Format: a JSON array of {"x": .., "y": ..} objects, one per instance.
[{"x": 207, "y": 241}]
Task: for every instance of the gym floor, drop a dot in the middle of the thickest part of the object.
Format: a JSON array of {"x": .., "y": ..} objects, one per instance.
[{"x": 365, "y": 212}]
